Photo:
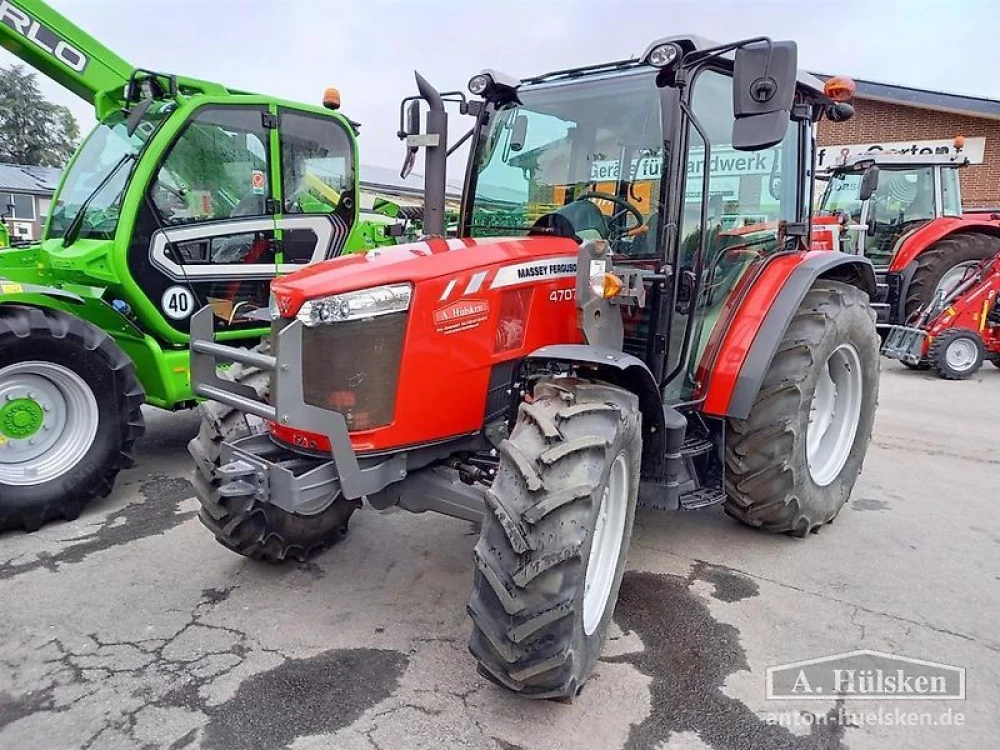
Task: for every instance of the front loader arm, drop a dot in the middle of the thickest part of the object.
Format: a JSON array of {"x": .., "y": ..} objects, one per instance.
[{"x": 55, "y": 46}]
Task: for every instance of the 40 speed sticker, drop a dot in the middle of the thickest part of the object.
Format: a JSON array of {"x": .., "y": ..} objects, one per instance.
[{"x": 177, "y": 303}]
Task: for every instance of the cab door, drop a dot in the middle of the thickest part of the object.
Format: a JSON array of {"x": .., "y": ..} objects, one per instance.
[
  {"x": 205, "y": 234},
  {"x": 318, "y": 187}
]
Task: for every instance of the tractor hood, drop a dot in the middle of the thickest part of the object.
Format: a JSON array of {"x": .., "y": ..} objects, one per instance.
[{"x": 418, "y": 262}]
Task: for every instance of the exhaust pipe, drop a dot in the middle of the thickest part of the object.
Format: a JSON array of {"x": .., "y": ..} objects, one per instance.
[{"x": 435, "y": 158}]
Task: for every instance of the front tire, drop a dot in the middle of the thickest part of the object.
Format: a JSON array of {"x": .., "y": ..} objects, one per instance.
[
  {"x": 791, "y": 465},
  {"x": 249, "y": 527},
  {"x": 70, "y": 413},
  {"x": 957, "y": 354},
  {"x": 552, "y": 548}
]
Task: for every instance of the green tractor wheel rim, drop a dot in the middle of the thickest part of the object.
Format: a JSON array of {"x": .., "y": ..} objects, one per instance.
[{"x": 48, "y": 422}]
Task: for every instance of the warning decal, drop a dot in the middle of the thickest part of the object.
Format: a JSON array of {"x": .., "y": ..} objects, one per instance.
[{"x": 257, "y": 181}]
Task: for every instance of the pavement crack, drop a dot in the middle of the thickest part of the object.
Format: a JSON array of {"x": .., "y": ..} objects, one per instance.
[
  {"x": 855, "y": 613},
  {"x": 851, "y": 605}
]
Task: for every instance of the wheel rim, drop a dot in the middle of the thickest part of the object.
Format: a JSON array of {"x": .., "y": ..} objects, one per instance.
[
  {"x": 834, "y": 414},
  {"x": 952, "y": 277},
  {"x": 961, "y": 354},
  {"x": 606, "y": 546},
  {"x": 48, "y": 422}
]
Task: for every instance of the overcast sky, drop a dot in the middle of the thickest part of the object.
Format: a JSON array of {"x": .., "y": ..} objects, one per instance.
[{"x": 369, "y": 48}]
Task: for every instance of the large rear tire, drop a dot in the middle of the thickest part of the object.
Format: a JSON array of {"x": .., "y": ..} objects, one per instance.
[
  {"x": 70, "y": 413},
  {"x": 552, "y": 548},
  {"x": 792, "y": 464},
  {"x": 249, "y": 527},
  {"x": 946, "y": 260}
]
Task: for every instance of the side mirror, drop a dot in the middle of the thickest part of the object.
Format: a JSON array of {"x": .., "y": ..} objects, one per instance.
[
  {"x": 764, "y": 78},
  {"x": 135, "y": 116},
  {"x": 519, "y": 131},
  {"x": 869, "y": 183},
  {"x": 413, "y": 118},
  {"x": 411, "y": 127}
]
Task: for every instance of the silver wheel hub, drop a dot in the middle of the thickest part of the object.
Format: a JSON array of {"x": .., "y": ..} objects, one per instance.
[
  {"x": 961, "y": 354},
  {"x": 605, "y": 548},
  {"x": 953, "y": 277},
  {"x": 68, "y": 417},
  {"x": 834, "y": 414}
]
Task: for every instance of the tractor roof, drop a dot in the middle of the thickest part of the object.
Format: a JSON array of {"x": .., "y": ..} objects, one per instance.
[
  {"x": 688, "y": 42},
  {"x": 889, "y": 160}
]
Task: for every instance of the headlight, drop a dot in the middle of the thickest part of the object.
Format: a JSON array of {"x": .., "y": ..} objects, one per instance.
[
  {"x": 364, "y": 303},
  {"x": 663, "y": 54},
  {"x": 478, "y": 84}
]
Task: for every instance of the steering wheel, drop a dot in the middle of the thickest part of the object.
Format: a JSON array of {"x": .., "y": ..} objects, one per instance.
[{"x": 625, "y": 208}]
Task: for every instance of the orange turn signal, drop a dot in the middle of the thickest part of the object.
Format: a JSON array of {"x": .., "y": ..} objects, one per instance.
[
  {"x": 840, "y": 88},
  {"x": 606, "y": 285}
]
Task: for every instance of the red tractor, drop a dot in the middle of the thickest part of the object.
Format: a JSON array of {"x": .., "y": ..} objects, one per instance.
[
  {"x": 958, "y": 331},
  {"x": 595, "y": 338},
  {"x": 904, "y": 213}
]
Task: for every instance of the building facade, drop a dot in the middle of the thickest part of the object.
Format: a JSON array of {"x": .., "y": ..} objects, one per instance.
[
  {"x": 25, "y": 198},
  {"x": 909, "y": 120}
]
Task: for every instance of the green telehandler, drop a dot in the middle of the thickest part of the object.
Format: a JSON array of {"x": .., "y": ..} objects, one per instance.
[{"x": 186, "y": 193}]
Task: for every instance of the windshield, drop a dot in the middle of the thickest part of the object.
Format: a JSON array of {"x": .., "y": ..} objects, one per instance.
[
  {"x": 842, "y": 195},
  {"x": 107, "y": 149},
  {"x": 590, "y": 152}
]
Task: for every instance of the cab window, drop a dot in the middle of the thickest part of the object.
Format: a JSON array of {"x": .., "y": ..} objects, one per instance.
[
  {"x": 316, "y": 163},
  {"x": 217, "y": 169}
]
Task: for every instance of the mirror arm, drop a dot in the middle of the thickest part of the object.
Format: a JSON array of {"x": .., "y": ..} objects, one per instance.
[{"x": 461, "y": 140}]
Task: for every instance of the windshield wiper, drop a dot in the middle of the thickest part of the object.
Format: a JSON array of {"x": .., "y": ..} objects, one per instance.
[{"x": 73, "y": 229}]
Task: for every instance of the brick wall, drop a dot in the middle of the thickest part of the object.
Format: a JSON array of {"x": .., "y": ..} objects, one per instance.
[{"x": 881, "y": 121}]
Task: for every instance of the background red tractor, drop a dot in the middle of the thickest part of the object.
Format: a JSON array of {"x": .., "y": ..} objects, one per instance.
[
  {"x": 958, "y": 331},
  {"x": 904, "y": 212},
  {"x": 597, "y": 337}
]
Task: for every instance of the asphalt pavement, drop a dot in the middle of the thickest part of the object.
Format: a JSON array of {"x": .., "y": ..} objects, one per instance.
[{"x": 132, "y": 628}]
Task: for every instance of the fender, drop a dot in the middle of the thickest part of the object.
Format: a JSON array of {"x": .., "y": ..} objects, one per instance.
[
  {"x": 632, "y": 374},
  {"x": 759, "y": 322},
  {"x": 162, "y": 372},
  {"x": 915, "y": 242}
]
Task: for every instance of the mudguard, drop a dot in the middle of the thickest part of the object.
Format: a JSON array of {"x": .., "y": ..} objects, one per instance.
[
  {"x": 915, "y": 242},
  {"x": 752, "y": 337},
  {"x": 628, "y": 372}
]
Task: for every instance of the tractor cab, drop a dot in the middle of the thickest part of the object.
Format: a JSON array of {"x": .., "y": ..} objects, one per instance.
[
  {"x": 904, "y": 213},
  {"x": 879, "y": 197},
  {"x": 584, "y": 153}
]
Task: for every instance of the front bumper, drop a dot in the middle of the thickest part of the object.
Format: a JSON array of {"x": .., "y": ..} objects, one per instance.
[
  {"x": 257, "y": 465},
  {"x": 905, "y": 344}
]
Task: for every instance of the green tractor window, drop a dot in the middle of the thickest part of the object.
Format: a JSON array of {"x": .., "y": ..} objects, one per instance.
[
  {"x": 217, "y": 169},
  {"x": 316, "y": 163}
]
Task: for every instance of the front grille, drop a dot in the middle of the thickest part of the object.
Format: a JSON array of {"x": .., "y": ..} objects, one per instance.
[{"x": 353, "y": 368}]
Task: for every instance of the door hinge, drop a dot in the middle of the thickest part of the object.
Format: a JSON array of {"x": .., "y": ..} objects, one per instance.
[
  {"x": 268, "y": 120},
  {"x": 271, "y": 206}
]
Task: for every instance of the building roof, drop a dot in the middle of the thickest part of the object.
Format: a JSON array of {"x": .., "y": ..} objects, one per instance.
[
  {"x": 976, "y": 106},
  {"x": 384, "y": 179},
  {"x": 35, "y": 180}
]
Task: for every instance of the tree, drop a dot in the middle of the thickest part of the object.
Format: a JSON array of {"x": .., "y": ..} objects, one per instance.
[{"x": 33, "y": 131}]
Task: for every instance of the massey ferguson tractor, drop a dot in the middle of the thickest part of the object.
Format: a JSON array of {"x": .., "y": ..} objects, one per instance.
[
  {"x": 599, "y": 336},
  {"x": 185, "y": 194},
  {"x": 904, "y": 213}
]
